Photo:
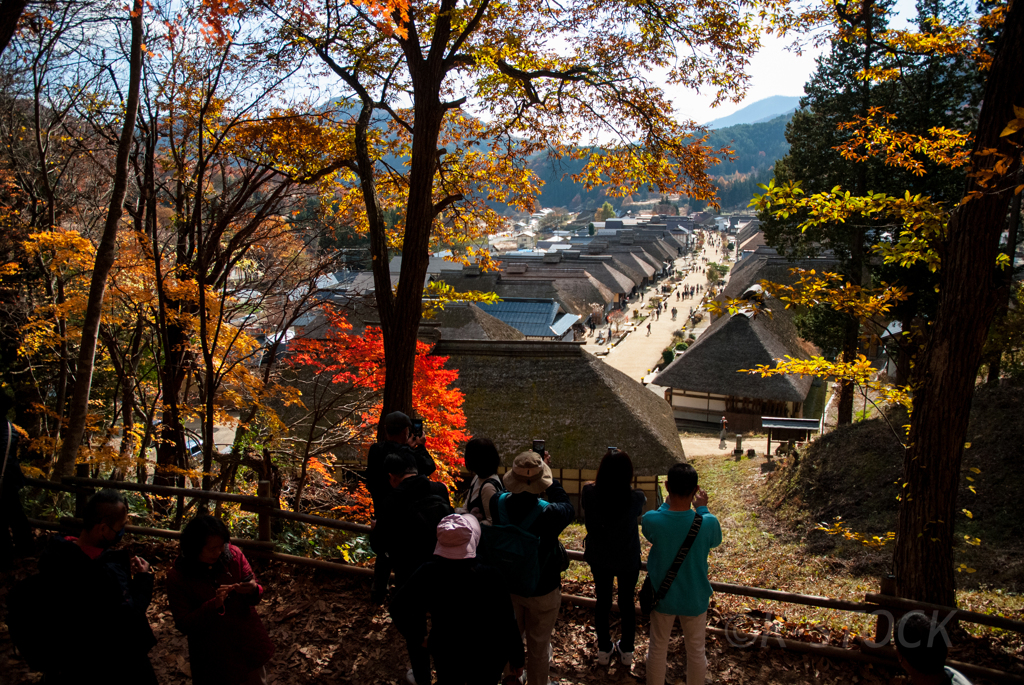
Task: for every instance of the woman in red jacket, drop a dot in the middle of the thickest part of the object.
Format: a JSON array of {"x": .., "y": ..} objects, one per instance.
[{"x": 213, "y": 592}]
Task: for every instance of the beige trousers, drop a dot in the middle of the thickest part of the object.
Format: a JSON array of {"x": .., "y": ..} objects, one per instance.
[
  {"x": 693, "y": 636},
  {"x": 536, "y": 617}
]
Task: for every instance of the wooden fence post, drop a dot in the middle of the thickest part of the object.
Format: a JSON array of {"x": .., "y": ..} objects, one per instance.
[
  {"x": 263, "y": 490},
  {"x": 884, "y": 624}
]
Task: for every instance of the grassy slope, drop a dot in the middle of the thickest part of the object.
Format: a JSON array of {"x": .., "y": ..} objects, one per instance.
[{"x": 853, "y": 473}]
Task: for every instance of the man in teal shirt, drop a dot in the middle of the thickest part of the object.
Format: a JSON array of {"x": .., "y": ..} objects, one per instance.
[{"x": 690, "y": 592}]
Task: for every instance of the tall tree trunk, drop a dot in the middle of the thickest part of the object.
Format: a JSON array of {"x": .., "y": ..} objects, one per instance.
[
  {"x": 946, "y": 372},
  {"x": 10, "y": 13},
  {"x": 105, "y": 253},
  {"x": 995, "y": 357}
]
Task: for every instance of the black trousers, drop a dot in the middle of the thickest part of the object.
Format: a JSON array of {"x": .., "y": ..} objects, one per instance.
[
  {"x": 603, "y": 578},
  {"x": 15, "y": 533}
]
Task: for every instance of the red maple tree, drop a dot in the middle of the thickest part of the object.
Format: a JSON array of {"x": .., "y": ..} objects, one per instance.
[{"x": 354, "y": 364}]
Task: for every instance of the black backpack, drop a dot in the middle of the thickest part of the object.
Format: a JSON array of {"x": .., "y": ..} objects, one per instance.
[
  {"x": 416, "y": 533},
  {"x": 34, "y": 623}
]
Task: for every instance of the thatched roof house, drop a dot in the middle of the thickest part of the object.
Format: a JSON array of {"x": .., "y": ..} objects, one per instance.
[
  {"x": 708, "y": 380},
  {"x": 518, "y": 391}
]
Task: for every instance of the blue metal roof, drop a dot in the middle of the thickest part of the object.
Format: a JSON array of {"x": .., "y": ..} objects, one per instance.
[{"x": 530, "y": 317}]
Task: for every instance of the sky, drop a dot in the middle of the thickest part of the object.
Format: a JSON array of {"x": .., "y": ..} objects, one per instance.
[{"x": 774, "y": 70}]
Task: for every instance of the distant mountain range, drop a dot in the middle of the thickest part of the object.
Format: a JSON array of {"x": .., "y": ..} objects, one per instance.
[
  {"x": 757, "y": 112},
  {"x": 755, "y": 146}
]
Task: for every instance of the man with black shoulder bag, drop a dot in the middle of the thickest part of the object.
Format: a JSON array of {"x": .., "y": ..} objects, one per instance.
[{"x": 682, "y": 532}]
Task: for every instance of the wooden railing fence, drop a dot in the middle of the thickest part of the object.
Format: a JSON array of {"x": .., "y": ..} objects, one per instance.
[{"x": 885, "y": 607}]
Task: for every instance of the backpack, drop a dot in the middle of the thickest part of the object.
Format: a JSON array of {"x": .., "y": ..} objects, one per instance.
[
  {"x": 32, "y": 621},
  {"x": 417, "y": 534},
  {"x": 513, "y": 549},
  {"x": 478, "y": 501}
]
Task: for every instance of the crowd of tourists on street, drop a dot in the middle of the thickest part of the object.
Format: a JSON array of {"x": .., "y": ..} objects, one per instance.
[{"x": 487, "y": 574}]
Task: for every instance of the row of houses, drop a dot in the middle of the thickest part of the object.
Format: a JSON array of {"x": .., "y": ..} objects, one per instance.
[{"x": 711, "y": 379}]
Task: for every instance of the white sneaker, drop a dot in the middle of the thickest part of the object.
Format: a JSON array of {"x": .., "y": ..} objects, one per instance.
[
  {"x": 605, "y": 658},
  {"x": 410, "y": 677},
  {"x": 625, "y": 657}
]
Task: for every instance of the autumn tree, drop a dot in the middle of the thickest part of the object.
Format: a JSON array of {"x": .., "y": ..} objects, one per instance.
[
  {"x": 462, "y": 93},
  {"x": 105, "y": 254},
  {"x": 961, "y": 245},
  {"x": 604, "y": 212},
  {"x": 342, "y": 376}
]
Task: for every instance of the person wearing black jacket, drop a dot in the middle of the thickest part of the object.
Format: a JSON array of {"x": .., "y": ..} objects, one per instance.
[
  {"x": 12, "y": 516},
  {"x": 406, "y": 530},
  {"x": 611, "y": 513},
  {"x": 528, "y": 480},
  {"x": 473, "y": 631},
  {"x": 412, "y": 449},
  {"x": 101, "y": 630}
]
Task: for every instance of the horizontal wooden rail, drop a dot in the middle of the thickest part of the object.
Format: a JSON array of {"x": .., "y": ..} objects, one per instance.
[
  {"x": 883, "y": 656},
  {"x": 315, "y": 520},
  {"x": 875, "y": 603},
  {"x": 168, "y": 490},
  {"x": 776, "y": 595},
  {"x": 905, "y": 605},
  {"x": 72, "y": 524},
  {"x": 50, "y": 485}
]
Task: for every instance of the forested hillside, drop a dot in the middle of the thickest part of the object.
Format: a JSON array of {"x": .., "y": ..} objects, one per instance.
[{"x": 755, "y": 147}]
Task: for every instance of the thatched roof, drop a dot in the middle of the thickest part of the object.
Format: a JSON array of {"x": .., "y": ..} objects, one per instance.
[
  {"x": 604, "y": 270},
  {"x": 466, "y": 321},
  {"x": 579, "y": 405},
  {"x": 747, "y": 230},
  {"x": 578, "y": 293},
  {"x": 753, "y": 242},
  {"x": 763, "y": 267},
  {"x": 715, "y": 363},
  {"x": 656, "y": 247},
  {"x": 574, "y": 288}
]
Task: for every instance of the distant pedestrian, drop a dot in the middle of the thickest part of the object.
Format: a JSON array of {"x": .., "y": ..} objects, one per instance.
[
  {"x": 674, "y": 312},
  {"x": 648, "y": 328}
]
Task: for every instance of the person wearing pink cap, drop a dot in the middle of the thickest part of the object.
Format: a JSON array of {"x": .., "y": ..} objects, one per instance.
[{"x": 473, "y": 632}]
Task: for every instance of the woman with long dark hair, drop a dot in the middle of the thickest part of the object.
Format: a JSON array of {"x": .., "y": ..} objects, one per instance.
[
  {"x": 611, "y": 511},
  {"x": 213, "y": 595},
  {"x": 482, "y": 460}
]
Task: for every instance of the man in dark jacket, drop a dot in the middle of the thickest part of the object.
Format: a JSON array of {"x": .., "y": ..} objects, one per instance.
[
  {"x": 473, "y": 631},
  {"x": 101, "y": 630},
  {"x": 397, "y": 440},
  {"x": 406, "y": 529},
  {"x": 529, "y": 479},
  {"x": 12, "y": 516}
]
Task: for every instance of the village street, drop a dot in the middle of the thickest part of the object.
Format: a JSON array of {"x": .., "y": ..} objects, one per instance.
[{"x": 637, "y": 355}]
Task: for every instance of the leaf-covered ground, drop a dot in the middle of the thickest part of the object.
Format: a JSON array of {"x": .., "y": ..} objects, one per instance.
[{"x": 327, "y": 632}]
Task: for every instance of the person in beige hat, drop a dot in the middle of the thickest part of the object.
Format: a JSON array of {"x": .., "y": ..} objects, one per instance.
[
  {"x": 473, "y": 631},
  {"x": 536, "y": 611}
]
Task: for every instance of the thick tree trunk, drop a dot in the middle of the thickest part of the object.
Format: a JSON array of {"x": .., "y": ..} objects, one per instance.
[
  {"x": 105, "y": 253},
  {"x": 10, "y": 13},
  {"x": 947, "y": 370},
  {"x": 994, "y": 359}
]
